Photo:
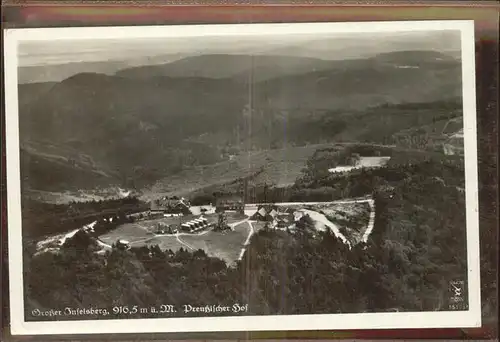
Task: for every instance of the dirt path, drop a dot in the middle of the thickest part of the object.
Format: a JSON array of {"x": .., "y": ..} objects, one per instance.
[
  {"x": 184, "y": 243},
  {"x": 103, "y": 244},
  {"x": 371, "y": 221},
  {"x": 142, "y": 240},
  {"x": 234, "y": 224},
  {"x": 247, "y": 241},
  {"x": 333, "y": 227}
]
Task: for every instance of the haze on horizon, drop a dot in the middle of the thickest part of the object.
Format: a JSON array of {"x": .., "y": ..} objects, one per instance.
[{"x": 38, "y": 60}]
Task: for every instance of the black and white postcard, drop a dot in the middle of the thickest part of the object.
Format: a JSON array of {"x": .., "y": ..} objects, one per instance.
[{"x": 245, "y": 177}]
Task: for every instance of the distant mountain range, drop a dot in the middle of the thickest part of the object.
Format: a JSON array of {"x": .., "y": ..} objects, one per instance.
[
  {"x": 145, "y": 122},
  {"x": 60, "y": 71},
  {"x": 311, "y": 53},
  {"x": 237, "y": 67}
]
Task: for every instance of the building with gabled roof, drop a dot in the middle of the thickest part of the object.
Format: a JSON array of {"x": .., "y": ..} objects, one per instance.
[
  {"x": 170, "y": 205},
  {"x": 229, "y": 203},
  {"x": 195, "y": 224},
  {"x": 265, "y": 213},
  {"x": 273, "y": 213}
]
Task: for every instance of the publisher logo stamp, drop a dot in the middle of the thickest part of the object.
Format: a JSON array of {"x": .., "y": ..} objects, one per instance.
[{"x": 457, "y": 300}]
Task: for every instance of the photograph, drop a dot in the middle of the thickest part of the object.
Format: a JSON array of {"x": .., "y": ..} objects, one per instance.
[{"x": 242, "y": 177}]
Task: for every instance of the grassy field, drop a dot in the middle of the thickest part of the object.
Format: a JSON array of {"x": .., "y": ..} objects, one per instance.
[
  {"x": 131, "y": 232},
  {"x": 363, "y": 162},
  {"x": 164, "y": 242},
  {"x": 224, "y": 245},
  {"x": 280, "y": 167},
  {"x": 145, "y": 229}
]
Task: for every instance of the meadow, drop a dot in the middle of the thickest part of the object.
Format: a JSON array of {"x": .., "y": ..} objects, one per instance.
[
  {"x": 226, "y": 245},
  {"x": 223, "y": 245},
  {"x": 280, "y": 167}
]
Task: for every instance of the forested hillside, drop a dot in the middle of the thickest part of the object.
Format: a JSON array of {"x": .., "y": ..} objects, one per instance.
[
  {"x": 146, "y": 123},
  {"x": 417, "y": 247}
]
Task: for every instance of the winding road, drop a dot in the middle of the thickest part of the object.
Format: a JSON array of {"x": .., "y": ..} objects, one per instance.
[
  {"x": 183, "y": 242},
  {"x": 251, "y": 229},
  {"x": 251, "y": 208},
  {"x": 371, "y": 221},
  {"x": 247, "y": 242}
]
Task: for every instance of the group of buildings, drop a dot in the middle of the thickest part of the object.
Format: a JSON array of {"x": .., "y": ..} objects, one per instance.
[
  {"x": 170, "y": 206},
  {"x": 281, "y": 218},
  {"x": 190, "y": 226},
  {"x": 230, "y": 203},
  {"x": 174, "y": 206},
  {"x": 179, "y": 206},
  {"x": 195, "y": 225}
]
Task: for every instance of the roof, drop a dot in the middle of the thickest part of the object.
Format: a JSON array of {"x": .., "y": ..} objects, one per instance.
[
  {"x": 171, "y": 202},
  {"x": 262, "y": 212},
  {"x": 199, "y": 221}
]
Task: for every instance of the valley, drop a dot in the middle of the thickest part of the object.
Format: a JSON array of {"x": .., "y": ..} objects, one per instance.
[
  {"x": 132, "y": 130},
  {"x": 269, "y": 179}
]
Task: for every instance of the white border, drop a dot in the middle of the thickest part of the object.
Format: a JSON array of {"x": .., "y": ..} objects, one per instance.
[{"x": 470, "y": 318}]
